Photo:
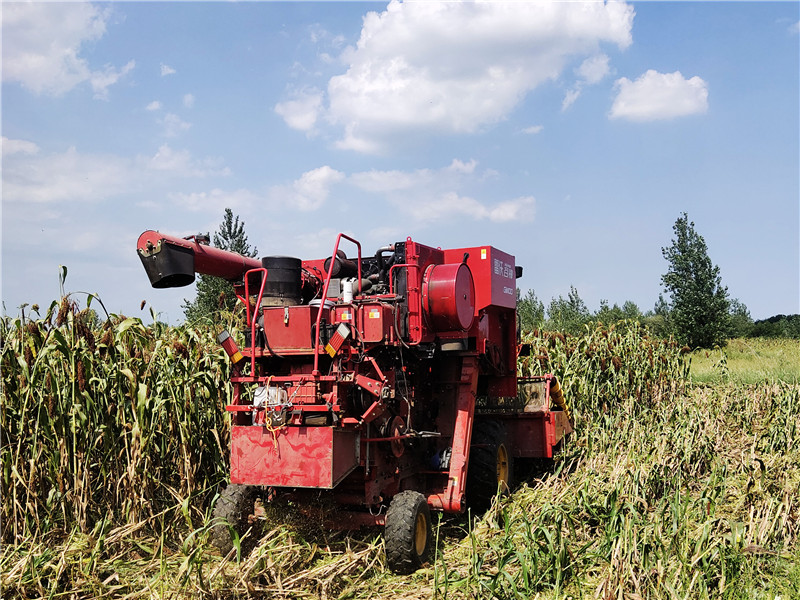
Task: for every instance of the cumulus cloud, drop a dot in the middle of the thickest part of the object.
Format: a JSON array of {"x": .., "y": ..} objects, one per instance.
[
  {"x": 174, "y": 125},
  {"x": 31, "y": 176},
  {"x": 102, "y": 80},
  {"x": 430, "y": 195},
  {"x": 241, "y": 200},
  {"x": 655, "y": 96},
  {"x": 11, "y": 147},
  {"x": 591, "y": 71},
  {"x": 181, "y": 162},
  {"x": 167, "y": 70},
  {"x": 450, "y": 204},
  {"x": 310, "y": 191},
  {"x": 68, "y": 176},
  {"x": 302, "y": 110},
  {"x": 154, "y": 105},
  {"x": 533, "y": 129},
  {"x": 188, "y": 100},
  {"x": 594, "y": 69},
  {"x": 570, "y": 97},
  {"x": 42, "y": 47},
  {"x": 455, "y": 67}
]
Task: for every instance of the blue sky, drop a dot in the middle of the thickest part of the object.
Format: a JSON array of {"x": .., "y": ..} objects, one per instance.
[{"x": 571, "y": 135}]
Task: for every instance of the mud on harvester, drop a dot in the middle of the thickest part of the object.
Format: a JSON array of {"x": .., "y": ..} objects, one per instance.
[{"x": 387, "y": 382}]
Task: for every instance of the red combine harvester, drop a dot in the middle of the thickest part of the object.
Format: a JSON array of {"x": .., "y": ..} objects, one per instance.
[{"x": 387, "y": 381}]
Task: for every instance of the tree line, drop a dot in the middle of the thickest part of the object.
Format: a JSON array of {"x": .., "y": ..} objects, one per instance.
[
  {"x": 571, "y": 315},
  {"x": 694, "y": 307}
]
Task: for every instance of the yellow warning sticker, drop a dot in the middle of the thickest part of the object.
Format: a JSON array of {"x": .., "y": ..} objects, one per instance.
[
  {"x": 375, "y": 314},
  {"x": 345, "y": 316},
  {"x": 483, "y": 253}
]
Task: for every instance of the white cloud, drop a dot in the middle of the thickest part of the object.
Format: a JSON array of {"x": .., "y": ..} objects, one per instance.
[
  {"x": 174, "y": 125},
  {"x": 310, "y": 191},
  {"x": 11, "y": 147},
  {"x": 30, "y": 176},
  {"x": 570, "y": 97},
  {"x": 533, "y": 129},
  {"x": 430, "y": 195},
  {"x": 65, "y": 177},
  {"x": 167, "y": 159},
  {"x": 657, "y": 95},
  {"x": 101, "y": 81},
  {"x": 238, "y": 200},
  {"x": 594, "y": 69},
  {"x": 188, "y": 100},
  {"x": 451, "y": 204},
  {"x": 181, "y": 163},
  {"x": 467, "y": 168},
  {"x": 167, "y": 70},
  {"x": 42, "y": 45},
  {"x": 795, "y": 27},
  {"x": 453, "y": 67},
  {"x": 384, "y": 182},
  {"x": 519, "y": 209},
  {"x": 302, "y": 110},
  {"x": 154, "y": 105},
  {"x": 591, "y": 71}
]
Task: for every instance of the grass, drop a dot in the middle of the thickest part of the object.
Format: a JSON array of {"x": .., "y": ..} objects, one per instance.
[
  {"x": 748, "y": 361},
  {"x": 672, "y": 486}
]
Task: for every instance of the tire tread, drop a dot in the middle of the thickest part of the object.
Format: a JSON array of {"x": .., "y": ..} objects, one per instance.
[{"x": 401, "y": 521}]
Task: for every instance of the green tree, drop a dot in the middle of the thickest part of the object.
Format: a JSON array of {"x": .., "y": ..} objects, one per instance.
[
  {"x": 213, "y": 293},
  {"x": 741, "y": 323},
  {"x": 698, "y": 304},
  {"x": 568, "y": 314},
  {"x": 785, "y": 326},
  {"x": 657, "y": 320},
  {"x": 614, "y": 314},
  {"x": 530, "y": 310}
]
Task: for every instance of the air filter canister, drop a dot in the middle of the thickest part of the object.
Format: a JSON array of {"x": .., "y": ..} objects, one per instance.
[
  {"x": 284, "y": 281},
  {"x": 448, "y": 297}
]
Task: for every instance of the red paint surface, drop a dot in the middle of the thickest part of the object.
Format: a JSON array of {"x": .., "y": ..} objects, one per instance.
[
  {"x": 207, "y": 259},
  {"x": 311, "y": 457},
  {"x": 289, "y": 328},
  {"x": 494, "y": 273},
  {"x": 449, "y": 297}
]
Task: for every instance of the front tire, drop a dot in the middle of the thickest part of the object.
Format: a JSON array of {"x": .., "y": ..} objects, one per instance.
[
  {"x": 234, "y": 512},
  {"x": 408, "y": 532}
]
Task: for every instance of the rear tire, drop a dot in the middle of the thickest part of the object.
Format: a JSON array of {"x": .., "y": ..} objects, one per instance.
[
  {"x": 408, "y": 532},
  {"x": 234, "y": 510},
  {"x": 491, "y": 465}
]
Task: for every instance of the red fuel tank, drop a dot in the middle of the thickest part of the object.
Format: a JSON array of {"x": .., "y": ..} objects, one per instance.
[{"x": 448, "y": 297}]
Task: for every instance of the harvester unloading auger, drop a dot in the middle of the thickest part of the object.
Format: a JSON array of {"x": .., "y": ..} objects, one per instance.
[{"x": 387, "y": 381}]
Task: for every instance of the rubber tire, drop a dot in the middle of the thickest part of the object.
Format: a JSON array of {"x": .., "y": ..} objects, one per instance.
[
  {"x": 232, "y": 510},
  {"x": 407, "y": 521},
  {"x": 489, "y": 448}
]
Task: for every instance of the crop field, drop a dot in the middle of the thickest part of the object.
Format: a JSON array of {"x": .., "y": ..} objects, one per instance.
[
  {"x": 681, "y": 481},
  {"x": 748, "y": 361}
]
